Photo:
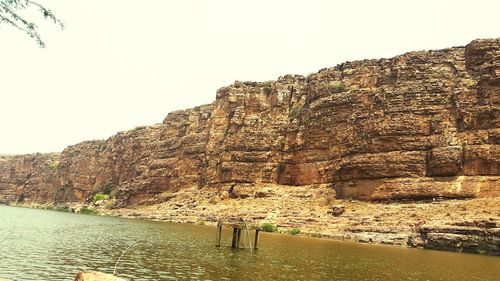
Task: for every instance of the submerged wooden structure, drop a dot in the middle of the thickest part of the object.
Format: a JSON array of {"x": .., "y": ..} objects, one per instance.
[{"x": 238, "y": 227}]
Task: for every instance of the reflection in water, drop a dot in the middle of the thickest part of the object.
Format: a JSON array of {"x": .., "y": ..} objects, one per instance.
[{"x": 48, "y": 245}]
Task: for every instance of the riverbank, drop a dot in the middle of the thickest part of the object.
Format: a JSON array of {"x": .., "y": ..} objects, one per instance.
[{"x": 467, "y": 225}]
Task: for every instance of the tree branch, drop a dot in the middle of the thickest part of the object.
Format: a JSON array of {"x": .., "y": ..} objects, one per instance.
[{"x": 9, "y": 15}]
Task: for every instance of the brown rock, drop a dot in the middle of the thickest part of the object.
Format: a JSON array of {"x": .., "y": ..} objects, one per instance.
[
  {"x": 96, "y": 276},
  {"x": 338, "y": 210},
  {"x": 224, "y": 195},
  {"x": 445, "y": 161},
  {"x": 460, "y": 238}
]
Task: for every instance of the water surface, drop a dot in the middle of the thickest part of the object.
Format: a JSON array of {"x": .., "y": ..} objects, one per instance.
[{"x": 49, "y": 245}]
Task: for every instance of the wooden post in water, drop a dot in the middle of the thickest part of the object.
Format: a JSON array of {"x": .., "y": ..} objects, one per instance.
[
  {"x": 238, "y": 238},
  {"x": 235, "y": 235},
  {"x": 256, "y": 241},
  {"x": 238, "y": 228},
  {"x": 219, "y": 234}
]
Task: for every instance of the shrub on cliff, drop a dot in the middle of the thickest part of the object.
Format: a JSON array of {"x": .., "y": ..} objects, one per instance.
[
  {"x": 267, "y": 87},
  {"x": 294, "y": 231},
  {"x": 338, "y": 88},
  {"x": 295, "y": 112},
  {"x": 268, "y": 227},
  {"x": 62, "y": 209},
  {"x": 53, "y": 165},
  {"x": 88, "y": 211},
  {"x": 165, "y": 196},
  {"x": 100, "y": 196}
]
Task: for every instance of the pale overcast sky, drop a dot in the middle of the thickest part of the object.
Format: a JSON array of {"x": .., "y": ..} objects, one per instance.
[{"x": 120, "y": 64}]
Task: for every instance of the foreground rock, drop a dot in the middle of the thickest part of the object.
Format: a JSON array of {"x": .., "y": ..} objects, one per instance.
[{"x": 96, "y": 276}]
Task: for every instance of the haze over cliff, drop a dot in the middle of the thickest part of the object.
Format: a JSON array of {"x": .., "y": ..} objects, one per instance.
[{"x": 417, "y": 126}]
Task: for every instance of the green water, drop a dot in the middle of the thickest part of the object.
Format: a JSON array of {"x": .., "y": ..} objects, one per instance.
[{"x": 49, "y": 245}]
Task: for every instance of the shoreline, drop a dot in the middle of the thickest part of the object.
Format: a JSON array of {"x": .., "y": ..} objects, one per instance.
[
  {"x": 447, "y": 238},
  {"x": 465, "y": 225}
]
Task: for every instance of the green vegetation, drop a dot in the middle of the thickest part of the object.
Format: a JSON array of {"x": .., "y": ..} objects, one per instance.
[
  {"x": 295, "y": 112},
  {"x": 269, "y": 227},
  {"x": 111, "y": 205},
  {"x": 53, "y": 164},
  {"x": 103, "y": 145},
  {"x": 104, "y": 191},
  {"x": 294, "y": 231},
  {"x": 268, "y": 87},
  {"x": 100, "y": 196},
  {"x": 62, "y": 209},
  {"x": 338, "y": 88},
  {"x": 52, "y": 208},
  {"x": 88, "y": 211},
  {"x": 165, "y": 196}
]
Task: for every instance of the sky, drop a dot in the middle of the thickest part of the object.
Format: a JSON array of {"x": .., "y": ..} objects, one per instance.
[{"x": 120, "y": 64}]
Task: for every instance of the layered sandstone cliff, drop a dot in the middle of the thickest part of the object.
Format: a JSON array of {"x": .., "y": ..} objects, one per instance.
[{"x": 417, "y": 126}]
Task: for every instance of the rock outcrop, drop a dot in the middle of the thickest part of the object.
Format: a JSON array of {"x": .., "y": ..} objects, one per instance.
[
  {"x": 96, "y": 276},
  {"x": 28, "y": 177}
]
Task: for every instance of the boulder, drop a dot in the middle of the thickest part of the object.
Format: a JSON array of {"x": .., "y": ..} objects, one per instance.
[
  {"x": 224, "y": 195},
  {"x": 338, "y": 210},
  {"x": 96, "y": 276}
]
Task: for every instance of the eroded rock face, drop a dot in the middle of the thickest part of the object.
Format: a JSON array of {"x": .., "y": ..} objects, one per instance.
[
  {"x": 28, "y": 178},
  {"x": 418, "y": 126}
]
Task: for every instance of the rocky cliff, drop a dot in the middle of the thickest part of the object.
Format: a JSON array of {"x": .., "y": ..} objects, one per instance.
[
  {"x": 417, "y": 131},
  {"x": 420, "y": 125}
]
